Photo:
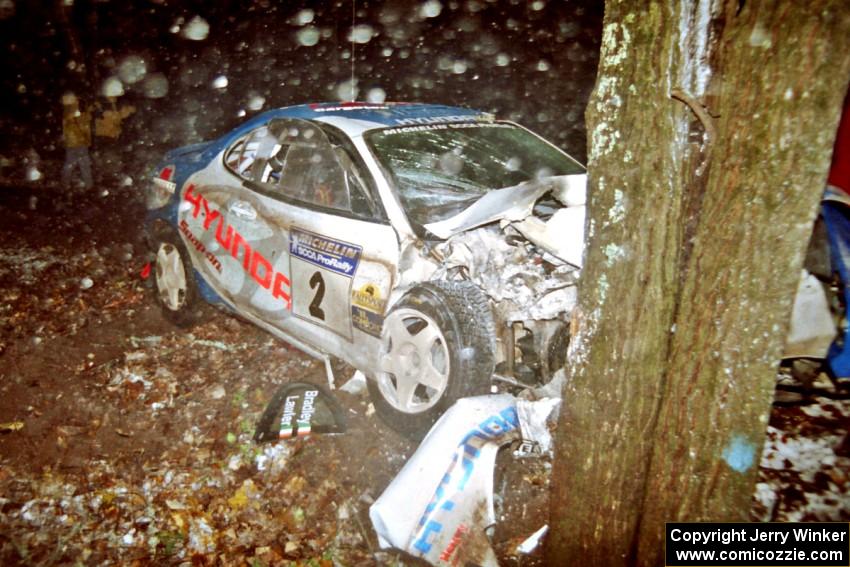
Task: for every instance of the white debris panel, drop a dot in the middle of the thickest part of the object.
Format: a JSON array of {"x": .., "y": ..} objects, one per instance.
[
  {"x": 441, "y": 502},
  {"x": 812, "y": 326}
]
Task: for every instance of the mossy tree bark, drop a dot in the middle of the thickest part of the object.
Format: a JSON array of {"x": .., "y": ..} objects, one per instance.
[{"x": 710, "y": 132}]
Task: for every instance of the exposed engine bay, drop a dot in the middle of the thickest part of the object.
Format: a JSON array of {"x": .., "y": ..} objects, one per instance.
[{"x": 527, "y": 260}]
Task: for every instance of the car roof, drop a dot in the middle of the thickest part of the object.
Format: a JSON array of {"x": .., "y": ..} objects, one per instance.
[{"x": 358, "y": 117}]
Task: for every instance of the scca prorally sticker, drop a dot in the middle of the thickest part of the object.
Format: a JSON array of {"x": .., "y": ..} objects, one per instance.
[{"x": 334, "y": 255}]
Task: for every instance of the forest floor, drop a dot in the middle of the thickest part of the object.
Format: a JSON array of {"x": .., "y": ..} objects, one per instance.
[{"x": 127, "y": 440}]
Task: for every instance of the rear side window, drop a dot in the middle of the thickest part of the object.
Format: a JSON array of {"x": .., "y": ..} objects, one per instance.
[{"x": 241, "y": 156}]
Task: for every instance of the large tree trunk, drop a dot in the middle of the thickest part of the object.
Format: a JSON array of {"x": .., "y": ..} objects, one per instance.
[{"x": 710, "y": 135}]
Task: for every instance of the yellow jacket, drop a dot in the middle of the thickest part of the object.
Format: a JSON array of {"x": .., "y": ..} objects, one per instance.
[
  {"x": 76, "y": 129},
  {"x": 109, "y": 125}
]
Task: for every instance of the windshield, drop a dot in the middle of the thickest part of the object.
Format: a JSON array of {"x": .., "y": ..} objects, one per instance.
[{"x": 441, "y": 169}]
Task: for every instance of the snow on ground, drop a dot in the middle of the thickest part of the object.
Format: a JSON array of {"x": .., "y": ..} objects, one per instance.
[{"x": 801, "y": 476}]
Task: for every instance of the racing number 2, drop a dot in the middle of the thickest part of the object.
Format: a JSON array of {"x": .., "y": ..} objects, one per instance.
[{"x": 317, "y": 283}]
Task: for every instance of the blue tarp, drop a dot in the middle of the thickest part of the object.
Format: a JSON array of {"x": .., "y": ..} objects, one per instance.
[{"x": 836, "y": 215}]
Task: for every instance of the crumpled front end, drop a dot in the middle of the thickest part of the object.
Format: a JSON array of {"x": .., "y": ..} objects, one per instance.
[
  {"x": 532, "y": 293},
  {"x": 529, "y": 267},
  {"x": 524, "y": 282}
]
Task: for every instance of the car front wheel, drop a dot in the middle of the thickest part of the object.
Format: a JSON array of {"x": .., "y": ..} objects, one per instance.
[{"x": 437, "y": 345}]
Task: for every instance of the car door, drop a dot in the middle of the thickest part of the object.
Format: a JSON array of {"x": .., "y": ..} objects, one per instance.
[{"x": 309, "y": 228}]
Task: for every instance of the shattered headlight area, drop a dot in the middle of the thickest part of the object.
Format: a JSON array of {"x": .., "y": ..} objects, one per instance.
[
  {"x": 532, "y": 291},
  {"x": 524, "y": 283}
]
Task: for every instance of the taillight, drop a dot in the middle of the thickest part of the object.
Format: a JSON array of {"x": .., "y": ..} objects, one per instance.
[{"x": 162, "y": 188}]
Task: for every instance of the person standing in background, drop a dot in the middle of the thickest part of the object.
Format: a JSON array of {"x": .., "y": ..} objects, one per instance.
[
  {"x": 76, "y": 136},
  {"x": 107, "y": 131}
]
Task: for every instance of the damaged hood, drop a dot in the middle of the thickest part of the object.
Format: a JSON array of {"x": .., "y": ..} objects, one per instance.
[{"x": 562, "y": 236}]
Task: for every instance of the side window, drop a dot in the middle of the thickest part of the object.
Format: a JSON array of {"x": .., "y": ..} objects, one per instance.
[
  {"x": 233, "y": 157},
  {"x": 294, "y": 177},
  {"x": 307, "y": 167},
  {"x": 296, "y": 160},
  {"x": 243, "y": 157}
]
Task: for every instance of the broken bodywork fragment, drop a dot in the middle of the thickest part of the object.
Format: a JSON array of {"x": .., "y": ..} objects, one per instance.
[{"x": 440, "y": 504}]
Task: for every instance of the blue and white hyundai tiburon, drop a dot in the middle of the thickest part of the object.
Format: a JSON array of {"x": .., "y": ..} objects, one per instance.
[{"x": 434, "y": 248}]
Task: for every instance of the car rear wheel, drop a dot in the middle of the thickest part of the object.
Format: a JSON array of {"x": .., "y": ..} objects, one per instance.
[
  {"x": 176, "y": 290},
  {"x": 438, "y": 345}
]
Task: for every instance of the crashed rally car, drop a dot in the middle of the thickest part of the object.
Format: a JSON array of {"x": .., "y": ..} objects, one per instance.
[{"x": 433, "y": 248}]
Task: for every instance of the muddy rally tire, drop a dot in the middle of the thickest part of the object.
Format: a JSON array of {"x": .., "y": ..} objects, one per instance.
[
  {"x": 437, "y": 345},
  {"x": 174, "y": 287}
]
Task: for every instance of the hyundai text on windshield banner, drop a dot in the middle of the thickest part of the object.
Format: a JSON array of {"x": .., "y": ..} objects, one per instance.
[{"x": 818, "y": 544}]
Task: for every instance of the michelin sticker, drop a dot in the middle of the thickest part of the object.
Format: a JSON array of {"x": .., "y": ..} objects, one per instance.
[
  {"x": 339, "y": 257},
  {"x": 322, "y": 270}
]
